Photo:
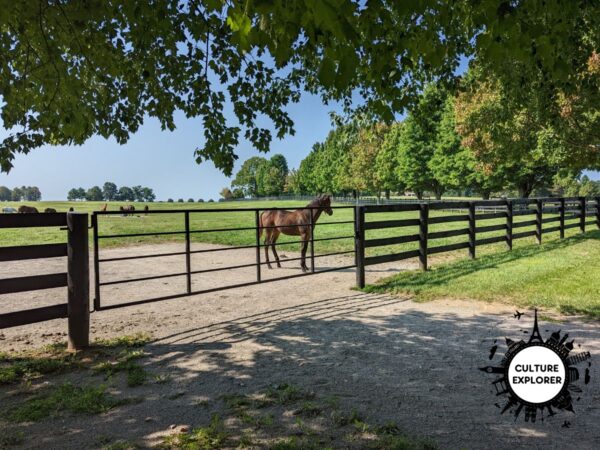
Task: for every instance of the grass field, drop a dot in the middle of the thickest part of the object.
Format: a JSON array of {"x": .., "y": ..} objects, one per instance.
[
  {"x": 202, "y": 221},
  {"x": 560, "y": 274}
]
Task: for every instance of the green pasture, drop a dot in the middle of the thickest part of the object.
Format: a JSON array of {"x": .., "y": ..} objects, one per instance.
[
  {"x": 560, "y": 274},
  {"x": 203, "y": 220}
]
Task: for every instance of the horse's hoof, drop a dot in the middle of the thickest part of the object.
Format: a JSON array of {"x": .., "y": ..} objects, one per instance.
[{"x": 279, "y": 265}]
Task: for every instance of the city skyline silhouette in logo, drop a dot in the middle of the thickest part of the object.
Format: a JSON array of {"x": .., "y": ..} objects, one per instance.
[{"x": 563, "y": 400}]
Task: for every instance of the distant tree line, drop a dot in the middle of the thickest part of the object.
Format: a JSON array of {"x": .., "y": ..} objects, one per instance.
[
  {"x": 465, "y": 141},
  {"x": 110, "y": 192},
  {"x": 18, "y": 194}
]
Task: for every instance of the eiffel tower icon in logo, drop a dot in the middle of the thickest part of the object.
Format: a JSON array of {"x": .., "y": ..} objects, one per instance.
[{"x": 535, "y": 334}]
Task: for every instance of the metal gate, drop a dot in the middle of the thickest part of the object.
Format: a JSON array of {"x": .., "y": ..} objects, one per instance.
[{"x": 187, "y": 235}]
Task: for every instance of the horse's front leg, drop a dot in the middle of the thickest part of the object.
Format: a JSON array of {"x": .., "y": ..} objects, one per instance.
[{"x": 303, "y": 255}]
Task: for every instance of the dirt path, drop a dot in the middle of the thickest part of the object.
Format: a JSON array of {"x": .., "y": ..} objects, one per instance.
[{"x": 392, "y": 359}]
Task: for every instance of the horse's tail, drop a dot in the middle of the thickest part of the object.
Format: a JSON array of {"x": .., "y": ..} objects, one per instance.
[{"x": 260, "y": 225}]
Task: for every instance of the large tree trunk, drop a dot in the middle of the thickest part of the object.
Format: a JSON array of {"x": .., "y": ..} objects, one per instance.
[
  {"x": 524, "y": 190},
  {"x": 485, "y": 195},
  {"x": 419, "y": 194},
  {"x": 387, "y": 194}
]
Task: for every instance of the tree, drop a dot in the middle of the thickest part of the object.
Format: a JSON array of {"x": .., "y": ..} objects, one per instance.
[
  {"x": 76, "y": 194},
  {"x": 509, "y": 139},
  {"x": 138, "y": 193},
  {"x": 270, "y": 176},
  {"x": 103, "y": 72},
  {"x": 124, "y": 194},
  {"x": 109, "y": 191},
  {"x": 148, "y": 195},
  {"x": 170, "y": 200},
  {"x": 16, "y": 194},
  {"x": 246, "y": 177},
  {"x": 385, "y": 165},
  {"x": 292, "y": 183},
  {"x": 5, "y": 194},
  {"x": 94, "y": 194},
  {"x": 361, "y": 165},
  {"x": 226, "y": 193}
]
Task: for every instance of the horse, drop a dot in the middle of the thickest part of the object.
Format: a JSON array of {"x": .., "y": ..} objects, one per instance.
[
  {"x": 146, "y": 209},
  {"x": 292, "y": 223},
  {"x": 49, "y": 210},
  {"x": 104, "y": 207},
  {"x": 24, "y": 209},
  {"x": 127, "y": 210}
]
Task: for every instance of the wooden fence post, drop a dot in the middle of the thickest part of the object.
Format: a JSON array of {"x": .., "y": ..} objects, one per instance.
[
  {"x": 562, "y": 217},
  {"x": 359, "y": 245},
  {"x": 423, "y": 226},
  {"x": 509, "y": 223},
  {"x": 78, "y": 279},
  {"x": 582, "y": 210},
  {"x": 538, "y": 220},
  {"x": 598, "y": 212},
  {"x": 257, "y": 225},
  {"x": 472, "y": 230},
  {"x": 188, "y": 261}
]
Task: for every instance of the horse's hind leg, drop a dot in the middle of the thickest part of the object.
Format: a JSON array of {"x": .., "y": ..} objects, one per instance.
[{"x": 273, "y": 241}]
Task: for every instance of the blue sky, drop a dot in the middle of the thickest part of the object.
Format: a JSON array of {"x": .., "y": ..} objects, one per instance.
[{"x": 158, "y": 159}]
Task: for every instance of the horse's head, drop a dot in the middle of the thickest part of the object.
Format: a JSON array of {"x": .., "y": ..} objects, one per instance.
[{"x": 325, "y": 204}]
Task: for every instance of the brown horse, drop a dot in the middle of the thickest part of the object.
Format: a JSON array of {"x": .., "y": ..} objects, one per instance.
[
  {"x": 104, "y": 207},
  {"x": 293, "y": 223},
  {"x": 50, "y": 210},
  {"x": 127, "y": 210},
  {"x": 27, "y": 209}
]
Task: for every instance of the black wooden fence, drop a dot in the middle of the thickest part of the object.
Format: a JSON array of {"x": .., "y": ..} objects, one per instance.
[
  {"x": 548, "y": 215},
  {"x": 474, "y": 214},
  {"x": 76, "y": 277}
]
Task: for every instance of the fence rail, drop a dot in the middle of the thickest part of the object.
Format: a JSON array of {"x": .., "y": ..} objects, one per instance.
[
  {"x": 75, "y": 278},
  {"x": 476, "y": 212},
  {"x": 188, "y": 231}
]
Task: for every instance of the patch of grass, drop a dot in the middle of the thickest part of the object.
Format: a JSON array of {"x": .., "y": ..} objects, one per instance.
[
  {"x": 285, "y": 393},
  {"x": 64, "y": 398},
  {"x": 24, "y": 366},
  {"x": 11, "y": 438},
  {"x": 124, "y": 361},
  {"x": 136, "y": 375},
  {"x": 559, "y": 274},
  {"x": 211, "y": 437},
  {"x": 234, "y": 401},
  {"x": 294, "y": 443},
  {"x": 309, "y": 409},
  {"x": 342, "y": 419},
  {"x": 400, "y": 442},
  {"x": 127, "y": 341}
]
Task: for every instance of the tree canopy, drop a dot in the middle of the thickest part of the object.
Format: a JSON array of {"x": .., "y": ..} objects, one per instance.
[{"x": 72, "y": 70}]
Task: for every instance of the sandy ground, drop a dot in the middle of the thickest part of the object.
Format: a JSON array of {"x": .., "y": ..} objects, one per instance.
[{"x": 415, "y": 364}]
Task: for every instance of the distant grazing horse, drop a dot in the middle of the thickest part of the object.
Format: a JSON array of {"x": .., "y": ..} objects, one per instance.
[
  {"x": 49, "y": 210},
  {"x": 104, "y": 207},
  {"x": 127, "y": 210},
  {"x": 27, "y": 209},
  {"x": 146, "y": 209},
  {"x": 293, "y": 223}
]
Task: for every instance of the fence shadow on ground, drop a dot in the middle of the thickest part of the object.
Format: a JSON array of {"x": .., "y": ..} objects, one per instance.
[{"x": 373, "y": 353}]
